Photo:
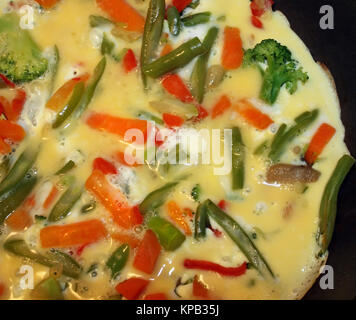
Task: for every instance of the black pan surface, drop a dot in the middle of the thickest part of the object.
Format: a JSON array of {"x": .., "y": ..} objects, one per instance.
[{"x": 337, "y": 49}]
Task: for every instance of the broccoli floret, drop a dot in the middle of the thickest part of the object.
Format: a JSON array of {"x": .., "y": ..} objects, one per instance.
[
  {"x": 280, "y": 68},
  {"x": 21, "y": 59}
]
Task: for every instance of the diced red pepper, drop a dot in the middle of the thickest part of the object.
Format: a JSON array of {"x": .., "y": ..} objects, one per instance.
[
  {"x": 155, "y": 296},
  {"x": 129, "y": 62},
  {"x": 176, "y": 87},
  {"x": 18, "y": 102},
  {"x": 5, "y": 82},
  {"x": 211, "y": 266},
  {"x": 202, "y": 114},
  {"x": 132, "y": 288},
  {"x": 256, "y": 22},
  {"x": 172, "y": 120},
  {"x": 181, "y": 4},
  {"x": 104, "y": 166},
  {"x": 200, "y": 290},
  {"x": 81, "y": 248},
  {"x": 259, "y": 7},
  {"x": 11, "y": 131},
  {"x": 147, "y": 253},
  {"x": 222, "y": 205}
]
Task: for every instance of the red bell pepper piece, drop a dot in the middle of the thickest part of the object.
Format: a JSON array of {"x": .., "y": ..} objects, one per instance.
[
  {"x": 132, "y": 288},
  {"x": 11, "y": 131},
  {"x": 221, "y": 106},
  {"x": 4, "y": 147},
  {"x": 202, "y": 114},
  {"x": 104, "y": 166},
  {"x": 259, "y": 7},
  {"x": 211, "y": 266},
  {"x": 181, "y": 4},
  {"x": 200, "y": 290},
  {"x": 176, "y": 87},
  {"x": 129, "y": 62},
  {"x": 256, "y": 22},
  {"x": 18, "y": 102},
  {"x": 172, "y": 120},
  {"x": 147, "y": 253}
]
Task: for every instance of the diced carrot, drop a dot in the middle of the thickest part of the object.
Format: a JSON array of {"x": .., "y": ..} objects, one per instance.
[
  {"x": 188, "y": 213},
  {"x": 200, "y": 290},
  {"x": 177, "y": 215},
  {"x": 4, "y": 147},
  {"x": 116, "y": 125},
  {"x": 18, "y": 102},
  {"x": 256, "y": 22},
  {"x": 7, "y": 109},
  {"x": 127, "y": 159},
  {"x": 147, "y": 253},
  {"x": 252, "y": 115},
  {"x": 75, "y": 234},
  {"x": 113, "y": 200},
  {"x": 176, "y": 87},
  {"x": 172, "y": 120},
  {"x": 61, "y": 96},
  {"x": 104, "y": 166},
  {"x": 50, "y": 198},
  {"x": 181, "y": 4},
  {"x": 233, "y": 53},
  {"x": 221, "y": 106},
  {"x": 19, "y": 220},
  {"x": 155, "y": 296},
  {"x": 11, "y": 131},
  {"x": 132, "y": 288},
  {"x": 166, "y": 49},
  {"x": 129, "y": 62},
  {"x": 320, "y": 139},
  {"x": 47, "y": 4},
  {"x": 121, "y": 11},
  {"x": 131, "y": 240}
]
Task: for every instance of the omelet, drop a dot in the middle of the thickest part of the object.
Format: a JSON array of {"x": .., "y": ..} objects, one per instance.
[{"x": 171, "y": 150}]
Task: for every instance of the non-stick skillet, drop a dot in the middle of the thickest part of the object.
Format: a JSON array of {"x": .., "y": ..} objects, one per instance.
[{"x": 337, "y": 49}]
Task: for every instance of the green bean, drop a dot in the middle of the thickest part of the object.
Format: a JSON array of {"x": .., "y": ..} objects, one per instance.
[
  {"x": 70, "y": 106},
  {"x": 152, "y": 34},
  {"x": 177, "y": 58},
  {"x": 66, "y": 202},
  {"x": 198, "y": 77},
  {"x": 201, "y": 221},
  {"x": 196, "y": 191},
  {"x": 279, "y": 134},
  {"x": 168, "y": 235},
  {"x": 196, "y": 19},
  {"x": 118, "y": 260},
  {"x": 54, "y": 68},
  {"x": 156, "y": 199},
  {"x": 240, "y": 237},
  {"x": 66, "y": 168},
  {"x": 20, "y": 168},
  {"x": 15, "y": 195},
  {"x": 19, "y": 248},
  {"x": 328, "y": 206},
  {"x": 88, "y": 208},
  {"x": 150, "y": 117},
  {"x": 96, "y": 21},
  {"x": 174, "y": 23},
  {"x": 4, "y": 168},
  {"x": 194, "y": 4},
  {"x": 238, "y": 160},
  {"x": 281, "y": 141},
  {"x": 107, "y": 45},
  {"x": 261, "y": 148},
  {"x": 48, "y": 289}
]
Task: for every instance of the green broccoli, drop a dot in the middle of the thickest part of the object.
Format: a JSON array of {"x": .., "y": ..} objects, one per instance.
[
  {"x": 21, "y": 59},
  {"x": 280, "y": 68}
]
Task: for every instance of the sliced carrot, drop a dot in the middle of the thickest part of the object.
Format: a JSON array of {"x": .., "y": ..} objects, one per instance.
[
  {"x": 127, "y": 159},
  {"x": 147, "y": 253},
  {"x": 61, "y": 96},
  {"x": 320, "y": 139},
  {"x": 200, "y": 290},
  {"x": 113, "y": 200},
  {"x": 47, "y": 4},
  {"x": 181, "y": 4},
  {"x": 166, "y": 49},
  {"x": 221, "y": 106},
  {"x": 233, "y": 53},
  {"x": 132, "y": 288},
  {"x": 4, "y": 147},
  {"x": 155, "y": 296},
  {"x": 7, "y": 109},
  {"x": 252, "y": 115},
  {"x": 176, "y": 87},
  {"x": 129, "y": 62},
  {"x": 131, "y": 240},
  {"x": 18, "y": 102},
  {"x": 172, "y": 120},
  {"x": 21, "y": 218},
  {"x": 104, "y": 166},
  {"x": 177, "y": 215},
  {"x": 74, "y": 234},
  {"x": 51, "y": 197},
  {"x": 11, "y": 131},
  {"x": 121, "y": 11},
  {"x": 116, "y": 125}
]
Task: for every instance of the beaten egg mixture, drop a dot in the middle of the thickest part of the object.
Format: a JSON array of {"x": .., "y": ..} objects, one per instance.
[{"x": 280, "y": 219}]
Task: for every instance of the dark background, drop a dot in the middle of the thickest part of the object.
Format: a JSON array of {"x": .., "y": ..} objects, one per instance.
[{"x": 337, "y": 49}]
